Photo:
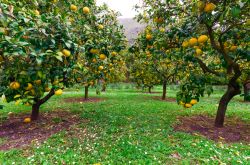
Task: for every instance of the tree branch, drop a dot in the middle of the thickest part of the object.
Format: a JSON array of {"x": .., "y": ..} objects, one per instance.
[{"x": 205, "y": 68}]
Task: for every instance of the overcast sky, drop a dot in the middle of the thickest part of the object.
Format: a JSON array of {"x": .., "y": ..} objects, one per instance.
[{"x": 125, "y": 7}]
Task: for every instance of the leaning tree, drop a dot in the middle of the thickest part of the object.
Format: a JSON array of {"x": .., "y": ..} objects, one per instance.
[{"x": 215, "y": 37}]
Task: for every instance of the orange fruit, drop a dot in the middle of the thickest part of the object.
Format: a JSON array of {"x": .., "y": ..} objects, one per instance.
[
  {"x": 193, "y": 41},
  {"x": 37, "y": 13},
  {"x": 102, "y": 56},
  {"x": 100, "y": 68},
  {"x": 100, "y": 27},
  {"x": 29, "y": 87},
  {"x": 59, "y": 92},
  {"x": 185, "y": 44},
  {"x": 209, "y": 7},
  {"x": 113, "y": 54},
  {"x": 202, "y": 39},
  {"x": 27, "y": 120},
  {"x": 193, "y": 101},
  {"x": 198, "y": 52},
  {"x": 149, "y": 37},
  {"x": 188, "y": 105},
  {"x": 15, "y": 85},
  {"x": 233, "y": 48},
  {"x": 66, "y": 52},
  {"x": 86, "y": 10},
  {"x": 73, "y": 7}
]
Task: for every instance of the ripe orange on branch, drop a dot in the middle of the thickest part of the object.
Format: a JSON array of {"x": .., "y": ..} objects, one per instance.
[
  {"x": 149, "y": 36},
  {"x": 29, "y": 87},
  {"x": 86, "y": 10},
  {"x": 59, "y": 92},
  {"x": 198, "y": 52},
  {"x": 193, "y": 41},
  {"x": 233, "y": 48},
  {"x": 102, "y": 56},
  {"x": 202, "y": 39},
  {"x": 15, "y": 85},
  {"x": 73, "y": 7},
  {"x": 209, "y": 7},
  {"x": 66, "y": 52},
  {"x": 100, "y": 68}
]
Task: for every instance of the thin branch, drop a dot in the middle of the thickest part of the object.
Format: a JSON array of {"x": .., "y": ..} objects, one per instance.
[{"x": 205, "y": 68}]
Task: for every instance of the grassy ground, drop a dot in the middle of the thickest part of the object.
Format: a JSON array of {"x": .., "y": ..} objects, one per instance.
[{"x": 129, "y": 127}]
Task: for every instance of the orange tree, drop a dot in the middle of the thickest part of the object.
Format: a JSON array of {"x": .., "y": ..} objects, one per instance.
[
  {"x": 160, "y": 47},
  {"x": 101, "y": 60},
  {"x": 140, "y": 69},
  {"x": 213, "y": 30},
  {"x": 39, "y": 46}
]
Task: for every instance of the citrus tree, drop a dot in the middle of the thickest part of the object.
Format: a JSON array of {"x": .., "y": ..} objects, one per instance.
[
  {"x": 40, "y": 42},
  {"x": 159, "y": 46},
  {"x": 214, "y": 39},
  {"x": 103, "y": 45}
]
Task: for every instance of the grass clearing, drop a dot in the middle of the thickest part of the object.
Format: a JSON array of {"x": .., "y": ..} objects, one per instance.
[{"x": 130, "y": 127}]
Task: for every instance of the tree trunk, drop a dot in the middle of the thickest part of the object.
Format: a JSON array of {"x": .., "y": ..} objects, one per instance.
[
  {"x": 38, "y": 103},
  {"x": 232, "y": 90},
  {"x": 86, "y": 92},
  {"x": 247, "y": 89},
  {"x": 149, "y": 89},
  {"x": 35, "y": 111},
  {"x": 104, "y": 88},
  {"x": 164, "y": 92}
]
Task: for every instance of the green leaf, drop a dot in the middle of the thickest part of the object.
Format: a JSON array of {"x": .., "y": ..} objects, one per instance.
[{"x": 235, "y": 12}]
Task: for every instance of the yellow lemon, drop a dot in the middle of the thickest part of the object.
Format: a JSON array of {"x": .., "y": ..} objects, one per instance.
[
  {"x": 27, "y": 120},
  {"x": 209, "y": 7},
  {"x": 193, "y": 101},
  {"x": 15, "y": 85},
  {"x": 192, "y": 41},
  {"x": 149, "y": 37},
  {"x": 188, "y": 105},
  {"x": 29, "y": 87},
  {"x": 73, "y": 7},
  {"x": 233, "y": 48},
  {"x": 113, "y": 54},
  {"x": 198, "y": 52},
  {"x": 94, "y": 51},
  {"x": 102, "y": 56},
  {"x": 185, "y": 44},
  {"x": 100, "y": 68},
  {"x": 100, "y": 27},
  {"x": 162, "y": 30},
  {"x": 59, "y": 92},
  {"x": 37, "y": 13},
  {"x": 86, "y": 10},
  {"x": 66, "y": 52},
  {"x": 202, "y": 39}
]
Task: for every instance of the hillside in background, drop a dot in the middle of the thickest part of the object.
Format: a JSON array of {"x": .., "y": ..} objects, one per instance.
[{"x": 132, "y": 28}]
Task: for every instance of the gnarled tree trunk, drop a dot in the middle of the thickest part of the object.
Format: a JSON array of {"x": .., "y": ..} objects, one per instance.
[
  {"x": 38, "y": 103},
  {"x": 232, "y": 90},
  {"x": 164, "y": 91},
  {"x": 86, "y": 92}
]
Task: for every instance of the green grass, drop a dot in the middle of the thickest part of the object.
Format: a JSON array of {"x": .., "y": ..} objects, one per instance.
[{"x": 130, "y": 127}]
